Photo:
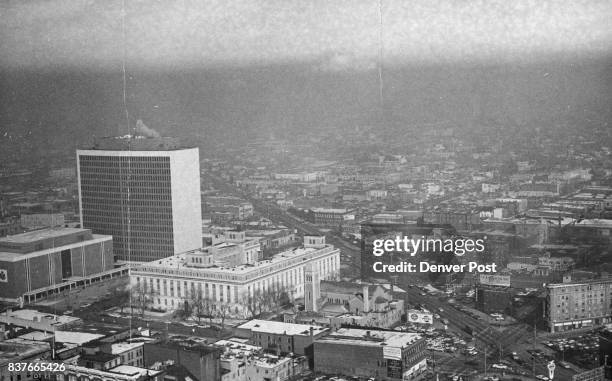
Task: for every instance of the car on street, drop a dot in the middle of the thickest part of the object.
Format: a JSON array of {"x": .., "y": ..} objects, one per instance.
[{"x": 500, "y": 366}]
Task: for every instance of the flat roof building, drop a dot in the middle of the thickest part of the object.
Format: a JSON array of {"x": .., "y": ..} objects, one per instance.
[
  {"x": 173, "y": 280},
  {"x": 282, "y": 338},
  {"x": 384, "y": 355},
  {"x": 243, "y": 362},
  {"x": 571, "y": 305},
  {"x": 41, "y": 262},
  {"x": 202, "y": 361},
  {"x": 145, "y": 192},
  {"x": 38, "y": 320}
]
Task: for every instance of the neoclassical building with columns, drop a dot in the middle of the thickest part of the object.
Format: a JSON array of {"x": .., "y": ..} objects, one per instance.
[{"x": 170, "y": 280}]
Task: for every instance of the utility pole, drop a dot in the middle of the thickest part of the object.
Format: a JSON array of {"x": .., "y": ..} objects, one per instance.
[
  {"x": 485, "y": 360},
  {"x": 433, "y": 360},
  {"x": 534, "y": 347}
]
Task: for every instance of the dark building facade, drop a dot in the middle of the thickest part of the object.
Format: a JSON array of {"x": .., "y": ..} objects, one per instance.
[
  {"x": 493, "y": 299},
  {"x": 384, "y": 355},
  {"x": 49, "y": 260},
  {"x": 605, "y": 352},
  {"x": 201, "y": 361}
]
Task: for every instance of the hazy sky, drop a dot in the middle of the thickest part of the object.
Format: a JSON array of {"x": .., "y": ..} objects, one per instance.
[{"x": 333, "y": 34}]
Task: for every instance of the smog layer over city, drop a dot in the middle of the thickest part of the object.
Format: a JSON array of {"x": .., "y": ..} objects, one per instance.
[{"x": 305, "y": 190}]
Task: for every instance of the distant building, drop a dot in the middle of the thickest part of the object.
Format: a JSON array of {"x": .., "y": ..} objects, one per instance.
[
  {"x": 571, "y": 305},
  {"x": 490, "y": 188},
  {"x": 459, "y": 219},
  {"x": 273, "y": 239},
  {"x": 147, "y": 197},
  {"x": 398, "y": 216},
  {"x": 41, "y": 220},
  {"x": 588, "y": 232},
  {"x": 10, "y": 225},
  {"x": 539, "y": 189},
  {"x": 298, "y": 177},
  {"x": 237, "y": 208},
  {"x": 384, "y": 355},
  {"x": 41, "y": 262},
  {"x": 556, "y": 264},
  {"x": 331, "y": 217},
  {"x": 376, "y": 229}
]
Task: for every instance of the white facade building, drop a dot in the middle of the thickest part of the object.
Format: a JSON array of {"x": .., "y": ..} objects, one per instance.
[
  {"x": 172, "y": 279},
  {"x": 154, "y": 187}
]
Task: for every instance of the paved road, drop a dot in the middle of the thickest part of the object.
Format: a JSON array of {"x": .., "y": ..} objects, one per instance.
[
  {"x": 350, "y": 253},
  {"x": 516, "y": 338}
]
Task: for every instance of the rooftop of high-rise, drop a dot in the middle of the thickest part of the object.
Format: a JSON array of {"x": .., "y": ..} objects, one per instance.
[{"x": 138, "y": 143}]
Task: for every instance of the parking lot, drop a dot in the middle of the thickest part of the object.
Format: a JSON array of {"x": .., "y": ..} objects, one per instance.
[{"x": 581, "y": 350}]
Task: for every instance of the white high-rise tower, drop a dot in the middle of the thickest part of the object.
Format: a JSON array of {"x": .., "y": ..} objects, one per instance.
[{"x": 145, "y": 192}]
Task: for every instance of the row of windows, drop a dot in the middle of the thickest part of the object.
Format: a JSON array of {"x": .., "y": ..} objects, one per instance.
[
  {"x": 111, "y": 168},
  {"x": 590, "y": 302},
  {"x": 121, "y": 177},
  {"x": 214, "y": 292},
  {"x": 135, "y": 226},
  {"x": 113, "y": 159},
  {"x": 122, "y": 180},
  {"x": 150, "y": 201},
  {"x": 100, "y": 186},
  {"x": 285, "y": 267},
  {"x": 583, "y": 288},
  {"x": 144, "y": 223},
  {"x": 591, "y": 295},
  {"x": 288, "y": 279},
  {"x": 134, "y": 212},
  {"x": 143, "y": 248},
  {"x": 142, "y": 187}
]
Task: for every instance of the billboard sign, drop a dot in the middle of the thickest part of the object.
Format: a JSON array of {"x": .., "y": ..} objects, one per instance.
[
  {"x": 392, "y": 353},
  {"x": 421, "y": 317},
  {"x": 495, "y": 280}
]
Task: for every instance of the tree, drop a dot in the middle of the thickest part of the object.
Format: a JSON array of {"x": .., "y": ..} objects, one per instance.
[
  {"x": 121, "y": 297},
  {"x": 185, "y": 312},
  {"x": 222, "y": 311},
  {"x": 265, "y": 300},
  {"x": 278, "y": 296},
  {"x": 196, "y": 303},
  {"x": 141, "y": 298},
  {"x": 201, "y": 306},
  {"x": 254, "y": 303}
]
